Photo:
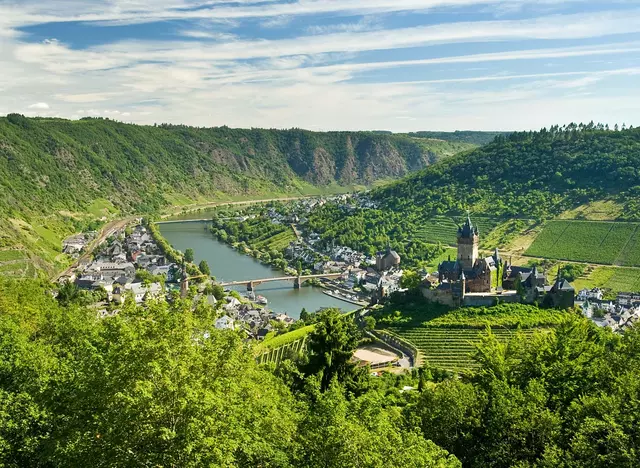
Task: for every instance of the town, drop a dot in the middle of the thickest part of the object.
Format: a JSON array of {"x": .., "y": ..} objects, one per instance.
[{"x": 131, "y": 264}]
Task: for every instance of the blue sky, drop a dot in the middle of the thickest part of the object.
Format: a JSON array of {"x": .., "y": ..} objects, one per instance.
[{"x": 400, "y": 65}]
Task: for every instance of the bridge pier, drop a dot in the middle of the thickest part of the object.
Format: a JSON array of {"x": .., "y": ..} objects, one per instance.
[
  {"x": 297, "y": 283},
  {"x": 250, "y": 286}
]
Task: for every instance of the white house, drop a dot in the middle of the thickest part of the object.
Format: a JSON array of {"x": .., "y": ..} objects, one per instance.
[
  {"x": 140, "y": 291},
  {"x": 224, "y": 323}
]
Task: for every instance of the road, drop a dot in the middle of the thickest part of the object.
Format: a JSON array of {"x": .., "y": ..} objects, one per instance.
[
  {"x": 196, "y": 207},
  {"x": 107, "y": 230}
]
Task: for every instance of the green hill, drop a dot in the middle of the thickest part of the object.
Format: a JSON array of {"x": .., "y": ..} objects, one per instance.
[
  {"x": 529, "y": 174},
  {"x": 466, "y": 136},
  {"x": 57, "y": 175}
]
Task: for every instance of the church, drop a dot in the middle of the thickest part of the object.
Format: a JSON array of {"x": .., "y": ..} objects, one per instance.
[{"x": 474, "y": 281}]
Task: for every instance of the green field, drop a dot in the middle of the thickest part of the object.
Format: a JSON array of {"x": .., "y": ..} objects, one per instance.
[
  {"x": 444, "y": 229},
  {"x": 449, "y": 348},
  {"x": 18, "y": 268},
  {"x": 612, "y": 278},
  {"x": 449, "y": 253},
  {"x": 589, "y": 241}
]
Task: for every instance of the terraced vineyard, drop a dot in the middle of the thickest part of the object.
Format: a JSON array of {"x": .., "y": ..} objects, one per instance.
[
  {"x": 278, "y": 241},
  {"x": 613, "y": 278},
  {"x": 443, "y": 229},
  {"x": 449, "y": 348},
  {"x": 588, "y": 241},
  {"x": 15, "y": 263}
]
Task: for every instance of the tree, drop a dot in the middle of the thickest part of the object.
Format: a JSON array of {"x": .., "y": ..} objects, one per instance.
[
  {"x": 189, "y": 256},
  {"x": 204, "y": 268},
  {"x": 331, "y": 348},
  {"x": 68, "y": 293},
  {"x": 217, "y": 291},
  {"x": 341, "y": 433},
  {"x": 369, "y": 323},
  {"x": 410, "y": 279},
  {"x": 144, "y": 387}
]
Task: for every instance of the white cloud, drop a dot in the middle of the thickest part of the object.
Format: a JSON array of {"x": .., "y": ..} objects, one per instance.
[
  {"x": 39, "y": 106},
  {"x": 219, "y": 36},
  {"x": 305, "y": 82},
  {"x": 126, "y": 12},
  {"x": 276, "y": 21}
]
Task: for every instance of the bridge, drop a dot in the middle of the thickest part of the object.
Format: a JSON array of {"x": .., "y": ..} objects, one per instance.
[
  {"x": 297, "y": 280},
  {"x": 173, "y": 221}
]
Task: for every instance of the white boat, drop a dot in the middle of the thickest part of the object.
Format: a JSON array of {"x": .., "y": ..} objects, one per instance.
[{"x": 262, "y": 300}]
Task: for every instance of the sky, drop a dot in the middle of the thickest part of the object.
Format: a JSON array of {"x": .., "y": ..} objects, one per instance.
[{"x": 399, "y": 65}]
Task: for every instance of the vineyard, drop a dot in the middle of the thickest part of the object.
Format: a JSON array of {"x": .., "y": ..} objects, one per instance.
[
  {"x": 612, "y": 278},
  {"x": 279, "y": 241},
  {"x": 449, "y": 348},
  {"x": 15, "y": 263},
  {"x": 443, "y": 229},
  {"x": 446, "y": 338},
  {"x": 589, "y": 241}
]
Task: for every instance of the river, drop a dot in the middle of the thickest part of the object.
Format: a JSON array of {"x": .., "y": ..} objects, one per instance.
[{"x": 227, "y": 264}]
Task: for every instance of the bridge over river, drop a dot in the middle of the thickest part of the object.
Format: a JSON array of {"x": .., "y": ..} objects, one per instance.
[{"x": 297, "y": 280}]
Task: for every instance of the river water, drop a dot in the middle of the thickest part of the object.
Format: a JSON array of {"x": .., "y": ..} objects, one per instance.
[{"x": 228, "y": 265}]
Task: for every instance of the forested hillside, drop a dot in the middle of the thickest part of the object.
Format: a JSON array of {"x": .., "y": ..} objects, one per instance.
[
  {"x": 56, "y": 176},
  {"x": 531, "y": 174},
  {"x": 54, "y": 164},
  {"x": 158, "y": 385},
  {"x": 466, "y": 136}
]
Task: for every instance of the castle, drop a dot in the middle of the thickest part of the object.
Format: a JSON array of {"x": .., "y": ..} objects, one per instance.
[{"x": 472, "y": 280}]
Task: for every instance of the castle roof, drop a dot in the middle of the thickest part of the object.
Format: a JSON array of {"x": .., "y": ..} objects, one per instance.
[
  {"x": 562, "y": 285},
  {"x": 447, "y": 266},
  {"x": 467, "y": 230}
]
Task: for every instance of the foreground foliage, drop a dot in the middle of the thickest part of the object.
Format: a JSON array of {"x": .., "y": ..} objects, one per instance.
[
  {"x": 569, "y": 397},
  {"x": 159, "y": 386}
]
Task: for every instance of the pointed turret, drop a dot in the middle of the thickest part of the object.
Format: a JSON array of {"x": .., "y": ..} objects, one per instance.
[{"x": 468, "y": 241}]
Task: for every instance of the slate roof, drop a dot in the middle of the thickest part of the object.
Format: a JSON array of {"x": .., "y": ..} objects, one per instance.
[{"x": 563, "y": 285}]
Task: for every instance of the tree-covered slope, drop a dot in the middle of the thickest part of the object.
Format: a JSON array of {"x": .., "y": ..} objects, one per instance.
[
  {"x": 466, "y": 136},
  {"x": 60, "y": 164},
  {"x": 532, "y": 174},
  {"x": 57, "y": 175}
]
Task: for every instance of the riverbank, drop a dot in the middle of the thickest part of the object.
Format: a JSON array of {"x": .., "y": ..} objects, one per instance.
[
  {"x": 336, "y": 295},
  {"x": 227, "y": 264}
]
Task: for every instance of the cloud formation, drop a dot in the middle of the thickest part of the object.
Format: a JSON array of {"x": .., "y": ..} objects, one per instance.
[
  {"x": 351, "y": 64},
  {"x": 39, "y": 106}
]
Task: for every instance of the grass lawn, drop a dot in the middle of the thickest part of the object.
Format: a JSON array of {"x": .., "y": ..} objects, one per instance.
[
  {"x": 101, "y": 207},
  {"x": 602, "y": 210},
  {"x": 286, "y": 338},
  {"x": 449, "y": 252}
]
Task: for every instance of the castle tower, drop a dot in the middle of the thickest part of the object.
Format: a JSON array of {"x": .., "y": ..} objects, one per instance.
[{"x": 468, "y": 240}]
